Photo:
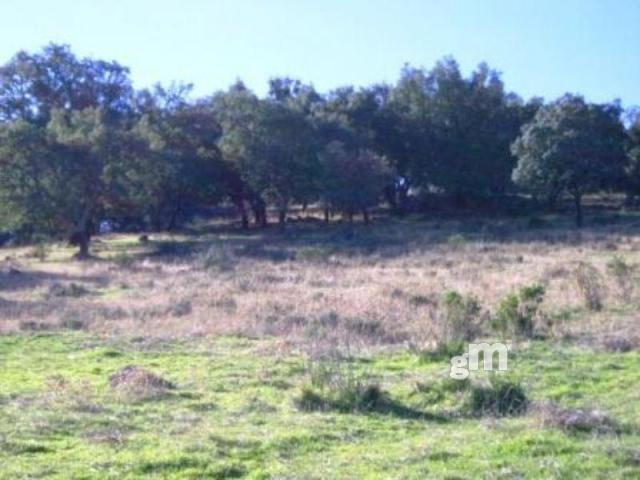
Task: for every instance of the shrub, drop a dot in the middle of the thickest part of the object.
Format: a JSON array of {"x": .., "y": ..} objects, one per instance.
[
  {"x": 456, "y": 240},
  {"x": 589, "y": 283},
  {"x": 500, "y": 397},
  {"x": 462, "y": 316},
  {"x": 334, "y": 385},
  {"x": 74, "y": 290},
  {"x": 309, "y": 400},
  {"x": 517, "y": 312},
  {"x": 345, "y": 398},
  {"x": 622, "y": 273},
  {"x": 445, "y": 351},
  {"x": 442, "y": 389}
]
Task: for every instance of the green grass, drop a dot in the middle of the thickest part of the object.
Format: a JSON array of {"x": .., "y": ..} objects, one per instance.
[{"x": 233, "y": 415}]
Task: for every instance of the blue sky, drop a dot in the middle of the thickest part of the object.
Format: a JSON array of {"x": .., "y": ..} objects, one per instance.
[{"x": 543, "y": 47}]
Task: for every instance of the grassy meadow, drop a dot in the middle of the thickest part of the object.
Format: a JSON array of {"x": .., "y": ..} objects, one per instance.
[{"x": 324, "y": 352}]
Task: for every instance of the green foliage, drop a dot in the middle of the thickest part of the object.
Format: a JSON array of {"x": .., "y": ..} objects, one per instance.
[
  {"x": 78, "y": 145},
  {"x": 456, "y": 240},
  {"x": 184, "y": 167},
  {"x": 334, "y": 385},
  {"x": 462, "y": 316},
  {"x": 352, "y": 181},
  {"x": 445, "y": 350},
  {"x": 270, "y": 144},
  {"x": 501, "y": 397},
  {"x": 453, "y": 132},
  {"x": 571, "y": 146},
  {"x": 517, "y": 312}
]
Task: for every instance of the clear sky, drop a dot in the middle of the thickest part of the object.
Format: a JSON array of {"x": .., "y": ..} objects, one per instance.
[{"x": 543, "y": 47}]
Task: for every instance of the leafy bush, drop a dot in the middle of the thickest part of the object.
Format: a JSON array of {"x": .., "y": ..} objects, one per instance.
[
  {"x": 309, "y": 400},
  {"x": 346, "y": 398},
  {"x": 589, "y": 283},
  {"x": 500, "y": 397},
  {"x": 462, "y": 316},
  {"x": 441, "y": 390},
  {"x": 73, "y": 290},
  {"x": 456, "y": 240},
  {"x": 445, "y": 351},
  {"x": 335, "y": 385},
  {"x": 517, "y": 312}
]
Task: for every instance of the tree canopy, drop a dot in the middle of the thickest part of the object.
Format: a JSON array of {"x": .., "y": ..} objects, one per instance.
[
  {"x": 571, "y": 146},
  {"x": 78, "y": 144}
]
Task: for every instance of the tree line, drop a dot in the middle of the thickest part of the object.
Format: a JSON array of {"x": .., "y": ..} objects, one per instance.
[{"x": 79, "y": 144}]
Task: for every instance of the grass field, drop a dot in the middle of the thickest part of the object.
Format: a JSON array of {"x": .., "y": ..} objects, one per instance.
[{"x": 320, "y": 352}]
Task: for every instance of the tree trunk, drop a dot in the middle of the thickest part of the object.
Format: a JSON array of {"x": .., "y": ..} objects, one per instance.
[
  {"x": 173, "y": 219},
  {"x": 365, "y": 216},
  {"x": 282, "y": 218},
  {"x": 403, "y": 197},
  {"x": 81, "y": 236},
  {"x": 326, "y": 215},
  {"x": 577, "y": 198},
  {"x": 264, "y": 221},
  {"x": 630, "y": 198},
  {"x": 390, "y": 196},
  {"x": 83, "y": 246},
  {"x": 261, "y": 212},
  {"x": 244, "y": 218}
]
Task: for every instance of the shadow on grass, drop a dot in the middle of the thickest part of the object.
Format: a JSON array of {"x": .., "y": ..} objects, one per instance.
[
  {"x": 365, "y": 400},
  {"x": 388, "y": 236}
]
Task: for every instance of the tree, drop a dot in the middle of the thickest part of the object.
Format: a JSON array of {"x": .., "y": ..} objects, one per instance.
[
  {"x": 60, "y": 179},
  {"x": 632, "y": 180},
  {"x": 452, "y": 134},
  {"x": 269, "y": 143},
  {"x": 33, "y": 174},
  {"x": 64, "y": 125},
  {"x": 282, "y": 165},
  {"x": 236, "y": 111},
  {"x": 186, "y": 169},
  {"x": 353, "y": 180},
  {"x": 571, "y": 146},
  {"x": 33, "y": 85}
]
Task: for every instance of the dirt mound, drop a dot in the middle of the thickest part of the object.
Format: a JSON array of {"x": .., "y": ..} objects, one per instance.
[
  {"x": 139, "y": 382},
  {"x": 587, "y": 420}
]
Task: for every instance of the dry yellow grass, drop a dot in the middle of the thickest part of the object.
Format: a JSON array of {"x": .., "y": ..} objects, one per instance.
[{"x": 376, "y": 285}]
